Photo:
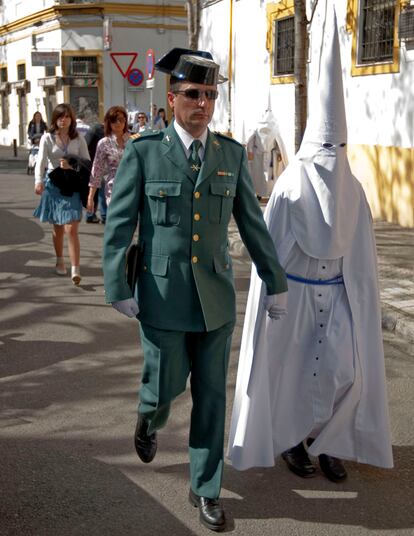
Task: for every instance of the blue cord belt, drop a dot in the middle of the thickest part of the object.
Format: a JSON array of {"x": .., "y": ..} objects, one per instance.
[{"x": 337, "y": 280}]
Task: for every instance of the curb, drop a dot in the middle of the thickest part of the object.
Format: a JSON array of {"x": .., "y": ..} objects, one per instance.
[{"x": 395, "y": 321}]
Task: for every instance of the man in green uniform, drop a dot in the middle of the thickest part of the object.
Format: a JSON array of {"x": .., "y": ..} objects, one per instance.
[{"x": 182, "y": 185}]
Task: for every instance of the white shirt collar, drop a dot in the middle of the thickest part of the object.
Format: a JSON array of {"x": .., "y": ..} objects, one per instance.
[{"x": 187, "y": 139}]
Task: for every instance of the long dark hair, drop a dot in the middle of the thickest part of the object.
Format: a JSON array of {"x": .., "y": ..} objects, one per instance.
[
  {"x": 112, "y": 114},
  {"x": 59, "y": 111}
]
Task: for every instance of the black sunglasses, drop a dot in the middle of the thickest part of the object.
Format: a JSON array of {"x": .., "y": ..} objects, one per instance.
[{"x": 197, "y": 94}]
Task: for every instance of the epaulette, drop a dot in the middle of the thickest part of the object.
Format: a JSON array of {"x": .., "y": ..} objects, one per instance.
[
  {"x": 144, "y": 134},
  {"x": 226, "y": 137}
]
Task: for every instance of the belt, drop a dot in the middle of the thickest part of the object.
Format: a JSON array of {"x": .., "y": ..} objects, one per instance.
[{"x": 337, "y": 280}]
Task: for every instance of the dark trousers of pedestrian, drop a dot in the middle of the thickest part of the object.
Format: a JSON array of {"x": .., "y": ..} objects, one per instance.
[
  {"x": 169, "y": 358},
  {"x": 102, "y": 203}
]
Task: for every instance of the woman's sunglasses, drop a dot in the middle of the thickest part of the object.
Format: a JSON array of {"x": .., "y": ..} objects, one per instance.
[{"x": 197, "y": 94}]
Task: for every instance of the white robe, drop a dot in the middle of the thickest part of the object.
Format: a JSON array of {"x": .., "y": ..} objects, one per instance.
[
  {"x": 256, "y": 153},
  {"x": 321, "y": 368}
]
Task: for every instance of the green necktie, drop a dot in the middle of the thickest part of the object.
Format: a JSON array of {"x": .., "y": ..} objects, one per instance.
[{"x": 195, "y": 160}]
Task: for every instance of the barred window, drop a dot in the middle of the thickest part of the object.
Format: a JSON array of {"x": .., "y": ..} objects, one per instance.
[
  {"x": 377, "y": 31},
  {"x": 50, "y": 70},
  {"x": 21, "y": 71},
  {"x": 83, "y": 65},
  {"x": 284, "y": 48},
  {"x": 3, "y": 74}
]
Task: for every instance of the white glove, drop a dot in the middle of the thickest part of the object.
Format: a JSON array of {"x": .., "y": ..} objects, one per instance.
[
  {"x": 128, "y": 307},
  {"x": 276, "y": 305}
]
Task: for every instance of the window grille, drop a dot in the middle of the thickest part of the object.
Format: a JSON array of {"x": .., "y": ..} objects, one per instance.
[
  {"x": 50, "y": 70},
  {"x": 83, "y": 65},
  {"x": 377, "y": 31},
  {"x": 284, "y": 49},
  {"x": 406, "y": 24},
  {"x": 21, "y": 71}
]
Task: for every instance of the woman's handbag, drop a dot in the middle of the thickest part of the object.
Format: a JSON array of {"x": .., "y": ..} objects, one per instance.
[{"x": 132, "y": 265}]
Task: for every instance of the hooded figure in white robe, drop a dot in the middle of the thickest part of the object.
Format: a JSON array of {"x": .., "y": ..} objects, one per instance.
[
  {"x": 256, "y": 154},
  {"x": 267, "y": 156},
  {"x": 317, "y": 372}
]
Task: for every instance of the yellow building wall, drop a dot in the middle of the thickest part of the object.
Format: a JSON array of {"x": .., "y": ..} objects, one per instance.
[{"x": 387, "y": 176}]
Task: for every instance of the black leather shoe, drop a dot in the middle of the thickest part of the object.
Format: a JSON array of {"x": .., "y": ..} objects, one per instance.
[
  {"x": 145, "y": 445},
  {"x": 298, "y": 461},
  {"x": 211, "y": 512},
  {"x": 332, "y": 467}
]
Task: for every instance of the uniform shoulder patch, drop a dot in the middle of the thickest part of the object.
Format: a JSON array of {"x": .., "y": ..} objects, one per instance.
[
  {"x": 145, "y": 134},
  {"x": 226, "y": 137}
]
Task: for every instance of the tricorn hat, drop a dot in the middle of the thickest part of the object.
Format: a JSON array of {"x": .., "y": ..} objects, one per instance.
[{"x": 188, "y": 65}]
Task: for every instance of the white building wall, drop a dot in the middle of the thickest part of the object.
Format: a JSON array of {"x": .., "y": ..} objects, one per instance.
[
  {"x": 380, "y": 108},
  {"x": 78, "y": 40}
]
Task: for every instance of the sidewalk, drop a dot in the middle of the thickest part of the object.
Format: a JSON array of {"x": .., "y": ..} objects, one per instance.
[
  {"x": 395, "y": 246},
  {"x": 7, "y": 154}
]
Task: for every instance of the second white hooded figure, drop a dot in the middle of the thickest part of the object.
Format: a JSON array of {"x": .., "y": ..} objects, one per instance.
[{"x": 313, "y": 382}]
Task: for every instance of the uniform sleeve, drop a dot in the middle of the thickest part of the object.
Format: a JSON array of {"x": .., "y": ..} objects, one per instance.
[
  {"x": 121, "y": 222},
  {"x": 254, "y": 233}
]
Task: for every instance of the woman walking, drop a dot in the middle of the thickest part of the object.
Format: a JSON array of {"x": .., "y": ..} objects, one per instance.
[
  {"x": 63, "y": 211},
  {"x": 37, "y": 127},
  {"x": 108, "y": 153}
]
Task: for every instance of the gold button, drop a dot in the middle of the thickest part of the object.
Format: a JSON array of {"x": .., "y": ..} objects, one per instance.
[
  {"x": 162, "y": 193},
  {"x": 145, "y": 267},
  {"x": 197, "y": 195},
  {"x": 196, "y": 237},
  {"x": 197, "y": 216},
  {"x": 195, "y": 260}
]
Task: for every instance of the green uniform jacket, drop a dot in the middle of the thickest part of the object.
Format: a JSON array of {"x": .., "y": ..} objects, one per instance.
[{"x": 185, "y": 280}]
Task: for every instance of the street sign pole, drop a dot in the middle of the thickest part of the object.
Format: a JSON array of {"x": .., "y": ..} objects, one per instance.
[{"x": 150, "y": 64}]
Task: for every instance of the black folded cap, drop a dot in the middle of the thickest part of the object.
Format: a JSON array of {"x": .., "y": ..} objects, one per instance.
[{"x": 191, "y": 65}]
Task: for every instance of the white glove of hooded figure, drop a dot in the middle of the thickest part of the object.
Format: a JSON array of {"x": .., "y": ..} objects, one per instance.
[
  {"x": 128, "y": 307},
  {"x": 276, "y": 305}
]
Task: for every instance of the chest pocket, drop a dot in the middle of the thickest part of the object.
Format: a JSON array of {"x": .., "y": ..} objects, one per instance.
[
  {"x": 221, "y": 201},
  {"x": 164, "y": 199}
]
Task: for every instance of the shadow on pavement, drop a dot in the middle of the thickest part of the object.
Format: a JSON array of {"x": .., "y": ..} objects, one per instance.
[
  {"x": 377, "y": 499},
  {"x": 17, "y": 230},
  {"x": 56, "y": 491}
]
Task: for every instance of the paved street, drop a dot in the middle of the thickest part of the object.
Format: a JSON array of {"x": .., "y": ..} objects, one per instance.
[{"x": 69, "y": 371}]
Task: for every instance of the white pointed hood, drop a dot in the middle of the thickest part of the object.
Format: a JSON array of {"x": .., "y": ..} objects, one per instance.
[{"x": 323, "y": 192}]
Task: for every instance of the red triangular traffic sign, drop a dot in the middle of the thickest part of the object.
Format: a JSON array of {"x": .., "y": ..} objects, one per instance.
[{"x": 126, "y": 56}]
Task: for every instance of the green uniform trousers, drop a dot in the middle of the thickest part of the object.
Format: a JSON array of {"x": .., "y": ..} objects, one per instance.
[{"x": 169, "y": 357}]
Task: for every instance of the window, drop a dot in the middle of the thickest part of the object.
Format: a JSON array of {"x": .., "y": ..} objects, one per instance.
[
  {"x": 21, "y": 71},
  {"x": 377, "y": 31},
  {"x": 82, "y": 65},
  {"x": 280, "y": 41},
  {"x": 284, "y": 50},
  {"x": 50, "y": 70},
  {"x": 3, "y": 74},
  {"x": 5, "y": 119},
  {"x": 374, "y": 28}
]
